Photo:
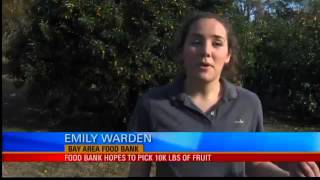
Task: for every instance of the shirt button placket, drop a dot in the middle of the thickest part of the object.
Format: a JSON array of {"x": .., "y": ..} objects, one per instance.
[{"x": 212, "y": 115}]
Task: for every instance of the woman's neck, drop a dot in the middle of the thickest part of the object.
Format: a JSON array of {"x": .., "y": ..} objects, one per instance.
[{"x": 204, "y": 94}]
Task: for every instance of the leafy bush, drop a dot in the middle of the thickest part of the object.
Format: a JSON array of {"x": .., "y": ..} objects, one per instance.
[
  {"x": 91, "y": 60},
  {"x": 287, "y": 62}
]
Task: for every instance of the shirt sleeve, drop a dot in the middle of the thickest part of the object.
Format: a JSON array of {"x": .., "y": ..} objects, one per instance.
[
  {"x": 140, "y": 120},
  {"x": 259, "y": 117}
]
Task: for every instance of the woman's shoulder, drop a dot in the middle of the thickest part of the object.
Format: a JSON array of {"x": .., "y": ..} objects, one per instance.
[
  {"x": 234, "y": 91},
  {"x": 248, "y": 95},
  {"x": 159, "y": 92}
]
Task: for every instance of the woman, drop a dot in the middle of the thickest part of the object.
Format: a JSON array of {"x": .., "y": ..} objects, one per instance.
[{"x": 202, "y": 100}]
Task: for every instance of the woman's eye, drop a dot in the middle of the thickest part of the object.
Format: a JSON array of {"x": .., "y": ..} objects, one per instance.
[
  {"x": 196, "y": 41},
  {"x": 217, "y": 43}
]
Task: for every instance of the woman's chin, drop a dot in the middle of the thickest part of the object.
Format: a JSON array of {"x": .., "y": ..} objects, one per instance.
[{"x": 205, "y": 77}]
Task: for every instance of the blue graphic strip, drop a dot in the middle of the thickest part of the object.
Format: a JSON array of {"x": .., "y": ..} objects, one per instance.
[{"x": 166, "y": 141}]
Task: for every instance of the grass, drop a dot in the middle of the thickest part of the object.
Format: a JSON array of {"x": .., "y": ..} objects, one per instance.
[{"x": 14, "y": 107}]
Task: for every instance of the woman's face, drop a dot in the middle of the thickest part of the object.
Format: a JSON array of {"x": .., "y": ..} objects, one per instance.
[{"x": 205, "y": 50}]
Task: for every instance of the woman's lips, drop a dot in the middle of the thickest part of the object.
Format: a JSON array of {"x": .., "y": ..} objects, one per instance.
[{"x": 206, "y": 66}]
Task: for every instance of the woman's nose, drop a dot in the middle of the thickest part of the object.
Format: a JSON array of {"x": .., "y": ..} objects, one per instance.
[{"x": 206, "y": 49}]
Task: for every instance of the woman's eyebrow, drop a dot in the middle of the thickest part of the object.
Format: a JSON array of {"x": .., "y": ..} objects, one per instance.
[
  {"x": 215, "y": 36},
  {"x": 218, "y": 37},
  {"x": 196, "y": 35}
]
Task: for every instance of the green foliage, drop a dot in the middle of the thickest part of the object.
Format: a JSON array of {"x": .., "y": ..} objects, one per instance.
[
  {"x": 286, "y": 58},
  {"x": 96, "y": 57},
  {"x": 91, "y": 59}
]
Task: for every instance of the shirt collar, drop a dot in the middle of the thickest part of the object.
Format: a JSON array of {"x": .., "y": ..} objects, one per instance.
[
  {"x": 229, "y": 90},
  {"x": 177, "y": 89}
]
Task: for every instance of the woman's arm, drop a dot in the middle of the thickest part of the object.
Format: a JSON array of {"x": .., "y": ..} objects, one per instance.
[{"x": 264, "y": 169}]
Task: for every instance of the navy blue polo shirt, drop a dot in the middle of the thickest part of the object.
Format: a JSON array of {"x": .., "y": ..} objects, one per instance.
[{"x": 169, "y": 108}]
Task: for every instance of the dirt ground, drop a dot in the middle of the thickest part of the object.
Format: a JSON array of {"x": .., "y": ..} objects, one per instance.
[
  {"x": 64, "y": 169},
  {"x": 14, "y": 106}
]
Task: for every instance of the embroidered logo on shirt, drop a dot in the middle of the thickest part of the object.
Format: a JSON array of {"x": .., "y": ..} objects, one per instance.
[{"x": 240, "y": 121}]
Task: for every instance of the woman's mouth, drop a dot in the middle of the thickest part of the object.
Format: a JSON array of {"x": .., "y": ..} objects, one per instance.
[{"x": 205, "y": 66}]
